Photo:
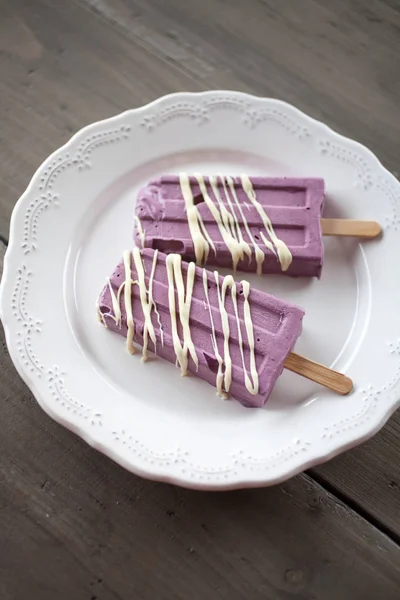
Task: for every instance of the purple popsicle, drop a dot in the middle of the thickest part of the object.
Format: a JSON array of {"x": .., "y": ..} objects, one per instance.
[
  {"x": 234, "y": 337},
  {"x": 269, "y": 225}
]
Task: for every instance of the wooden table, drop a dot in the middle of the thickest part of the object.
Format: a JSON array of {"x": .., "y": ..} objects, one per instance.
[{"x": 75, "y": 526}]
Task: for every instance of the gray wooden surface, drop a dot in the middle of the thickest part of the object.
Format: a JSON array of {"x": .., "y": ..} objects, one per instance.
[{"x": 75, "y": 525}]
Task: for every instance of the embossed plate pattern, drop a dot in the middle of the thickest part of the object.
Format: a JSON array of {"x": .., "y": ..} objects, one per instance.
[{"x": 69, "y": 230}]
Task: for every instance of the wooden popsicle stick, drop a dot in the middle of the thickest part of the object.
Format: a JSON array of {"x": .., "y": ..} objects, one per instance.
[
  {"x": 323, "y": 375},
  {"x": 350, "y": 227}
]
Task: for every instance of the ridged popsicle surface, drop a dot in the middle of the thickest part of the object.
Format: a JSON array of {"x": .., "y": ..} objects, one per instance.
[
  {"x": 276, "y": 324},
  {"x": 293, "y": 206}
]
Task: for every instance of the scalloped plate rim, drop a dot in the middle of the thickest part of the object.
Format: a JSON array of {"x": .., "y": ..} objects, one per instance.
[{"x": 318, "y": 457}]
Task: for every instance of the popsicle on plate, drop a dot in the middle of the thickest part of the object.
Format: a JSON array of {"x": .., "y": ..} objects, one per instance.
[
  {"x": 254, "y": 224},
  {"x": 234, "y": 337}
]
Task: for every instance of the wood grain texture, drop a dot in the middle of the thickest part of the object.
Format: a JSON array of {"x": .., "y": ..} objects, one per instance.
[
  {"x": 75, "y": 525},
  {"x": 60, "y": 69},
  {"x": 337, "y": 382},
  {"x": 350, "y": 227},
  {"x": 368, "y": 477},
  {"x": 337, "y": 61}
]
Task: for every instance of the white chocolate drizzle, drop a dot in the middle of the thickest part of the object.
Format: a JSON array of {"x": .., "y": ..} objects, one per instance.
[
  {"x": 116, "y": 317},
  {"x": 174, "y": 273},
  {"x": 184, "y": 292},
  {"x": 252, "y": 388},
  {"x": 200, "y": 237},
  {"x": 128, "y": 302},
  {"x": 228, "y": 224},
  {"x": 235, "y": 221},
  {"x": 251, "y": 382},
  {"x": 284, "y": 254},
  {"x": 223, "y": 220},
  {"x": 152, "y": 301},
  {"x": 219, "y": 384},
  {"x": 115, "y": 305},
  {"x": 146, "y": 299},
  {"x": 225, "y": 329},
  {"x": 259, "y": 254}
]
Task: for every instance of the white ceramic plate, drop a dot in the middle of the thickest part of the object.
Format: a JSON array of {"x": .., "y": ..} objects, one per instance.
[{"x": 69, "y": 230}]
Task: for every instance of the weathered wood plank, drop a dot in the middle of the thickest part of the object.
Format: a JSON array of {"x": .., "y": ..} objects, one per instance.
[
  {"x": 76, "y": 525},
  {"x": 82, "y": 70},
  {"x": 60, "y": 69},
  {"x": 369, "y": 476},
  {"x": 336, "y": 61}
]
